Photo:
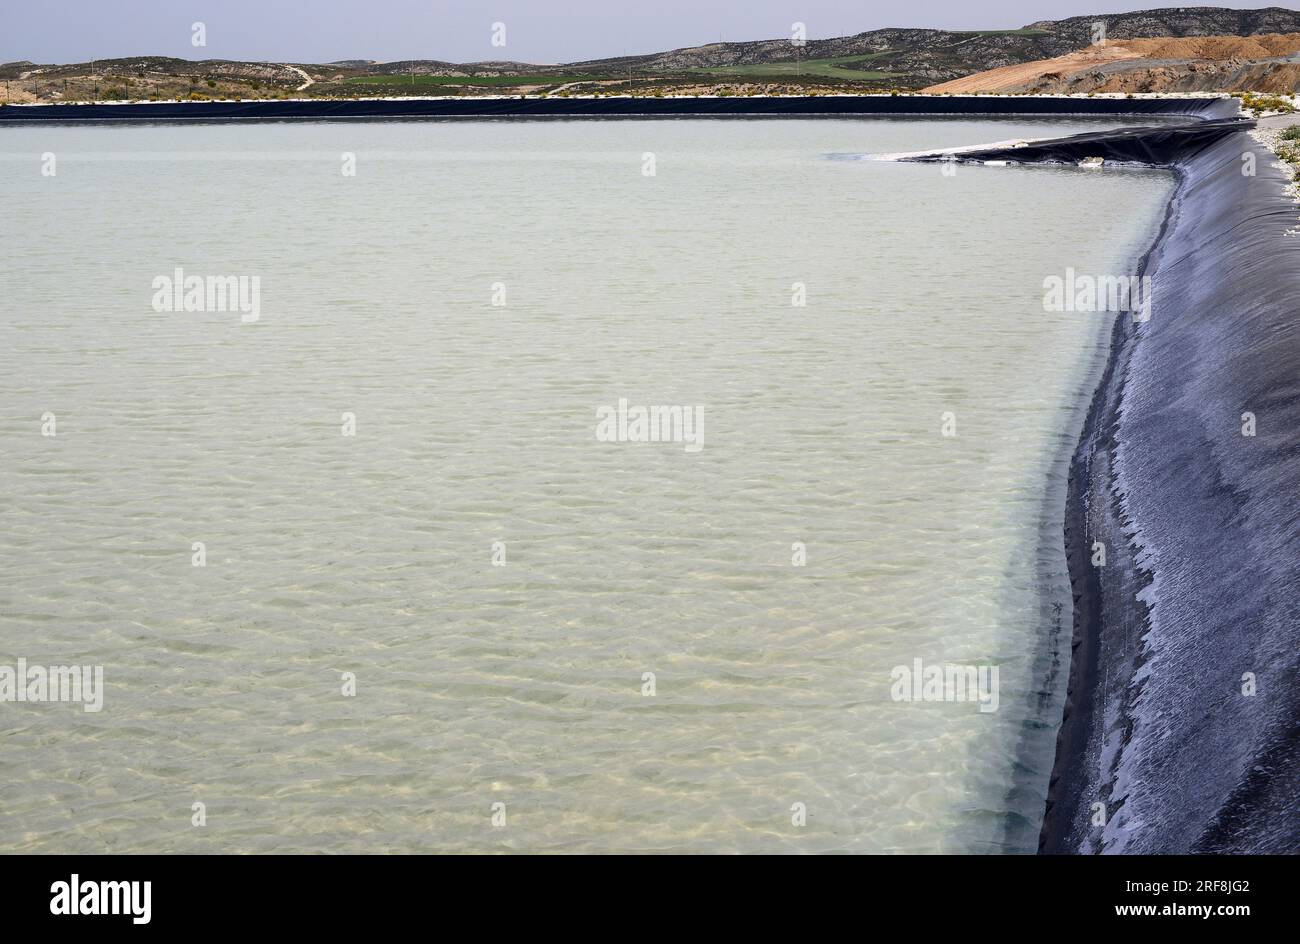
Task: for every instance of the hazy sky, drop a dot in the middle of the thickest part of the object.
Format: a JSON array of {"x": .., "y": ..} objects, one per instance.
[{"x": 461, "y": 30}]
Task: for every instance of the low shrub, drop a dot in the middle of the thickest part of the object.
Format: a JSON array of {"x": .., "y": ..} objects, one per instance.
[{"x": 1259, "y": 104}]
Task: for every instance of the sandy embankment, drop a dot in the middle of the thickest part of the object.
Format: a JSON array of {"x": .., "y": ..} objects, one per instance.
[
  {"x": 1150, "y": 65},
  {"x": 1013, "y": 78},
  {"x": 1268, "y": 132}
]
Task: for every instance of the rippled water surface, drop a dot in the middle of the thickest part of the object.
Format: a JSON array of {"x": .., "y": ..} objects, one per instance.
[{"x": 373, "y": 554}]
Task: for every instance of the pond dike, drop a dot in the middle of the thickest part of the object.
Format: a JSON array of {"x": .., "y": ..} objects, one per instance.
[
  {"x": 1188, "y": 472},
  {"x": 757, "y": 106}
]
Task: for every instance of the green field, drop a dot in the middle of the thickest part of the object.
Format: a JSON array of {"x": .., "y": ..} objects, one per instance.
[
  {"x": 490, "y": 80},
  {"x": 824, "y": 68}
]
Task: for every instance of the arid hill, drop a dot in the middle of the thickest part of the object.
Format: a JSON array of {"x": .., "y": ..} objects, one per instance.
[
  {"x": 1267, "y": 63},
  {"x": 872, "y": 61},
  {"x": 916, "y": 57}
]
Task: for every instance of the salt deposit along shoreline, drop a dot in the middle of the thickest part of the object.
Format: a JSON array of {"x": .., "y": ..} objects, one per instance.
[{"x": 1181, "y": 730}]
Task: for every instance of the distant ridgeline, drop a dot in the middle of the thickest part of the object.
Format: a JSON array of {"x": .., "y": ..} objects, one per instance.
[{"x": 893, "y": 58}]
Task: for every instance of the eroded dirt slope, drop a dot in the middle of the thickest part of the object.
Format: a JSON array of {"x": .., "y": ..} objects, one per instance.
[{"x": 1160, "y": 64}]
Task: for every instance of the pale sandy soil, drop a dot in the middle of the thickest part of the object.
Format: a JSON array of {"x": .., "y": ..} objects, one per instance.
[
  {"x": 1268, "y": 132},
  {"x": 1011, "y": 78},
  {"x": 1224, "y": 56}
]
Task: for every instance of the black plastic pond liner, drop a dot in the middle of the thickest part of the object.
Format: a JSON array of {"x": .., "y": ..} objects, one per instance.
[
  {"x": 1181, "y": 730},
  {"x": 733, "y": 106},
  {"x": 1160, "y": 146}
]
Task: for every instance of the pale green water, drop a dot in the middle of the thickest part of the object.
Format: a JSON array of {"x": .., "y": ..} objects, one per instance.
[{"x": 372, "y": 554}]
